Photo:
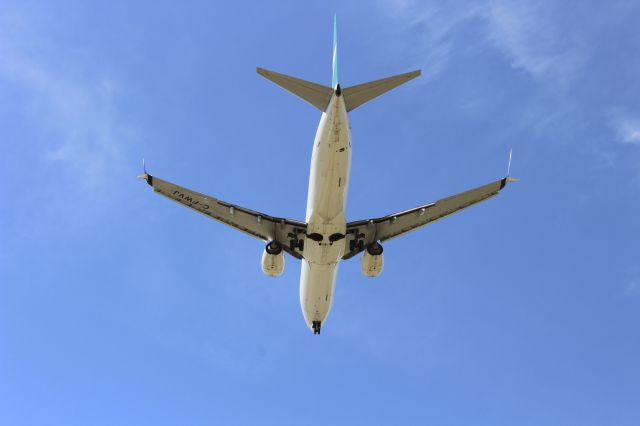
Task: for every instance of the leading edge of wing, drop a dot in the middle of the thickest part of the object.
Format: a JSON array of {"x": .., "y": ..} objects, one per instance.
[
  {"x": 365, "y": 232},
  {"x": 259, "y": 225}
]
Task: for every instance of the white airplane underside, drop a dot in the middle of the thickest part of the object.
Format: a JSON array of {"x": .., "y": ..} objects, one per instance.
[{"x": 325, "y": 237}]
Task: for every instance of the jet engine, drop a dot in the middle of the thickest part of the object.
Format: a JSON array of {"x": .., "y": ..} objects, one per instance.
[
  {"x": 372, "y": 260},
  {"x": 273, "y": 259}
]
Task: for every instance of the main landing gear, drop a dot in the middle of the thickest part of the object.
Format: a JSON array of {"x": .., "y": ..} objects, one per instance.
[{"x": 316, "y": 327}]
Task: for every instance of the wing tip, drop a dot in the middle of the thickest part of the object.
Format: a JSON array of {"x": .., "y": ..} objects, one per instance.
[
  {"x": 147, "y": 177},
  {"x": 505, "y": 180}
]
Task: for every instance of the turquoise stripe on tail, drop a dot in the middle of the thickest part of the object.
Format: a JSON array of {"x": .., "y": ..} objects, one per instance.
[{"x": 334, "y": 80}]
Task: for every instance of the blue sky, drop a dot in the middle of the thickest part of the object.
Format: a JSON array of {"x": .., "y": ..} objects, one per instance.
[{"x": 119, "y": 307}]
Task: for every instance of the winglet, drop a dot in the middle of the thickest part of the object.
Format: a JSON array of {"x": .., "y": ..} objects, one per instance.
[
  {"x": 146, "y": 176},
  {"x": 508, "y": 178}
]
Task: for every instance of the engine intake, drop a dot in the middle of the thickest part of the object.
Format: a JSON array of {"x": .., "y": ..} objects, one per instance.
[
  {"x": 273, "y": 259},
  {"x": 273, "y": 248},
  {"x": 372, "y": 260}
]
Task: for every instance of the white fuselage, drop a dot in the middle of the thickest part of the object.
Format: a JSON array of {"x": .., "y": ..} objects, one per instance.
[{"x": 328, "y": 181}]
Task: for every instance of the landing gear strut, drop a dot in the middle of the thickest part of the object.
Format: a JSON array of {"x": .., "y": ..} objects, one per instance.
[
  {"x": 316, "y": 327},
  {"x": 293, "y": 244}
]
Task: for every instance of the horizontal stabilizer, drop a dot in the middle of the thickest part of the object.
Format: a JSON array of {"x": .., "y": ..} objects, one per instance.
[
  {"x": 313, "y": 93},
  {"x": 357, "y": 95}
]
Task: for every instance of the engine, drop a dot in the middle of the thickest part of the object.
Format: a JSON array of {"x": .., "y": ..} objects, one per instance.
[
  {"x": 273, "y": 259},
  {"x": 372, "y": 260}
]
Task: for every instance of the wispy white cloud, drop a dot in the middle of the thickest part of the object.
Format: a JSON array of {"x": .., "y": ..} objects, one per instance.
[
  {"x": 530, "y": 35},
  {"x": 64, "y": 98},
  {"x": 79, "y": 112},
  {"x": 627, "y": 129},
  {"x": 75, "y": 140},
  {"x": 527, "y": 33},
  {"x": 398, "y": 7},
  {"x": 434, "y": 26},
  {"x": 539, "y": 40}
]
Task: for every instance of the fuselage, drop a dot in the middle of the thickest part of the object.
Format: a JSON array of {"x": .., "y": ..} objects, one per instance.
[{"x": 324, "y": 244}]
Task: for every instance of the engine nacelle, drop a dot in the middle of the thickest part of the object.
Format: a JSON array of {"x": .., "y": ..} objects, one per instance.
[
  {"x": 372, "y": 260},
  {"x": 273, "y": 259}
]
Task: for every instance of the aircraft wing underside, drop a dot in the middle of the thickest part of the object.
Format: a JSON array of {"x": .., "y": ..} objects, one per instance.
[
  {"x": 364, "y": 232},
  {"x": 256, "y": 224}
]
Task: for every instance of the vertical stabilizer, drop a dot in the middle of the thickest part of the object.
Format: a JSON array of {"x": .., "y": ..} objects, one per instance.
[{"x": 334, "y": 79}]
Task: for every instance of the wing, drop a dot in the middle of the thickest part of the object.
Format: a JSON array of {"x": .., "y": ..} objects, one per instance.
[
  {"x": 286, "y": 232},
  {"x": 364, "y": 232}
]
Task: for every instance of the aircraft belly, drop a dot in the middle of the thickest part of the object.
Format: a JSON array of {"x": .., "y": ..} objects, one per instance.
[
  {"x": 327, "y": 192},
  {"x": 317, "y": 286},
  {"x": 330, "y": 165},
  {"x": 324, "y": 245}
]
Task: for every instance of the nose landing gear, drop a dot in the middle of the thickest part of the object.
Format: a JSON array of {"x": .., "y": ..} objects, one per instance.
[{"x": 316, "y": 327}]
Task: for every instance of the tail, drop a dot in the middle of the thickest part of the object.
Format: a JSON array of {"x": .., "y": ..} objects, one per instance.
[{"x": 319, "y": 96}]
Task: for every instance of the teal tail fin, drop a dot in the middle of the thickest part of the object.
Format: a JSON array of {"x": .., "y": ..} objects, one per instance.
[
  {"x": 334, "y": 78},
  {"x": 357, "y": 95}
]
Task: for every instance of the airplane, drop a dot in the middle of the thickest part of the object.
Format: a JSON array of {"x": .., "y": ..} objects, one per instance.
[{"x": 325, "y": 237}]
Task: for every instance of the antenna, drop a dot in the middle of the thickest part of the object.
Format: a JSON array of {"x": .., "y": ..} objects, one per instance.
[{"x": 508, "y": 165}]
